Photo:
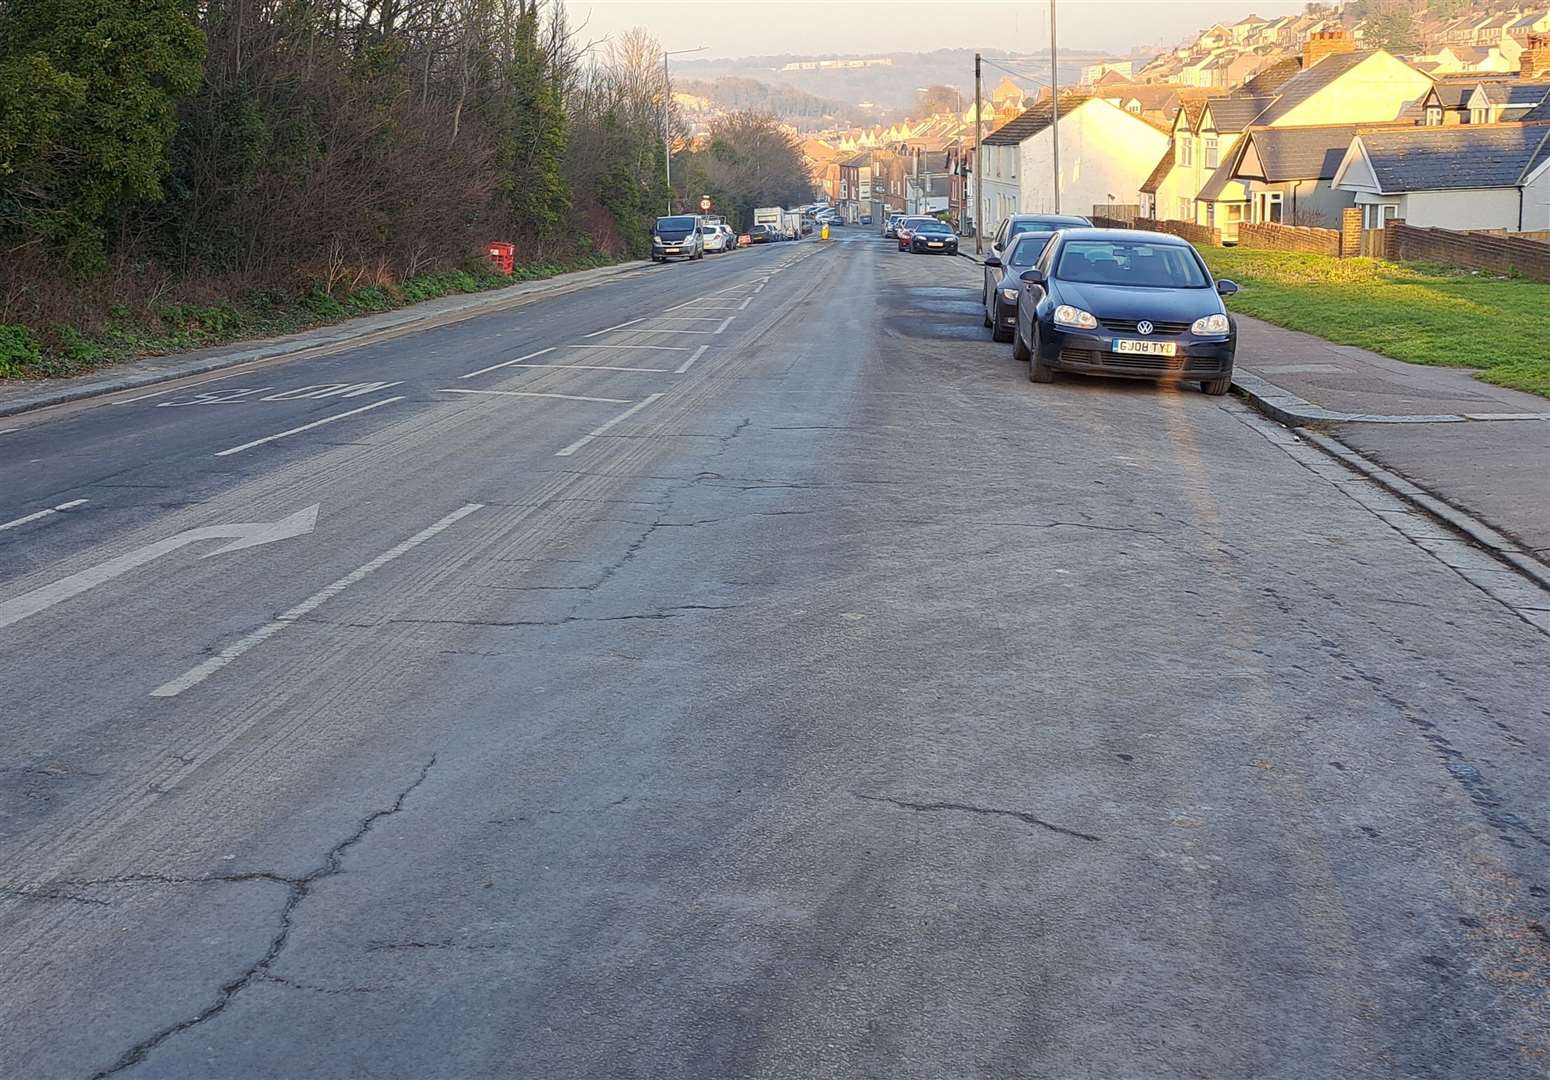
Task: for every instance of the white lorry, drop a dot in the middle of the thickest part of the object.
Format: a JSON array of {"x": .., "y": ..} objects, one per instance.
[{"x": 771, "y": 216}]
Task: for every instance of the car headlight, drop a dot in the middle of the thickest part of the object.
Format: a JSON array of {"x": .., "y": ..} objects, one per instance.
[
  {"x": 1210, "y": 324},
  {"x": 1066, "y": 315},
  {"x": 1009, "y": 294}
]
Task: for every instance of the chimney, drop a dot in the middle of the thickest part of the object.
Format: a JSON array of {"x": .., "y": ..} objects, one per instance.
[
  {"x": 1535, "y": 60},
  {"x": 1322, "y": 43}
]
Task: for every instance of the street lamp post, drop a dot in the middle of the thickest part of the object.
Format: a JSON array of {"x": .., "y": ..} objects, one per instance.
[
  {"x": 667, "y": 104},
  {"x": 1054, "y": 102}
]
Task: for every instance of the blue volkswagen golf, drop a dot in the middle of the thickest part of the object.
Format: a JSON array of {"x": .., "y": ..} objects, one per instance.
[{"x": 1125, "y": 303}]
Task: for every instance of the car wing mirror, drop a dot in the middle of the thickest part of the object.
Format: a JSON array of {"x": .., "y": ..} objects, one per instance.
[
  {"x": 1226, "y": 287},
  {"x": 1032, "y": 277},
  {"x": 992, "y": 262}
]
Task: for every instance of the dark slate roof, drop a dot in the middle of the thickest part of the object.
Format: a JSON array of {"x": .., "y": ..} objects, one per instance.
[
  {"x": 1452, "y": 94},
  {"x": 1160, "y": 172},
  {"x": 1308, "y": 82},
  {"x": 1034, "y": 120},
  {"x": 1457, "y": 156},
  {"x": 1516, "y": 94},
  {"x": 1219, "y": 180},
  {"x": 1269, "y": 79},
  {"x": 1538, "y": 112},
  {"x": 1301, "y": 153},
  {"x": 1235, "y": 112}
]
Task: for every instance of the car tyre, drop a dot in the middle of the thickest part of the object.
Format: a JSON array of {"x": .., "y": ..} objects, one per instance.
[
  {"x": 1020, "y": 349},
  {"x": 1217, "y": 387},
  {"x": 990, "y": 324},
  {"x": 1038, "y": 370}
]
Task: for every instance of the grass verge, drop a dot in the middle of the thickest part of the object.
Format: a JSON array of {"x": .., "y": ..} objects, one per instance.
[
  {"x": 127, "y": 333},
  {"x": 1415, "y": 312}
]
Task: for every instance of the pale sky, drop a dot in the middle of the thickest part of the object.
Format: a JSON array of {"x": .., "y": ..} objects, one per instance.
[{"x": 759, "y": 27}]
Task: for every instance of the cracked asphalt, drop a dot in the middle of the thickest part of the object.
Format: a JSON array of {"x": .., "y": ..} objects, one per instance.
[{"x": 851, "y": 708}]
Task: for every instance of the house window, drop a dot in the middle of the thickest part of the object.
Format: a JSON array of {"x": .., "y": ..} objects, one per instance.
[
  {"x": 1270, "y": 206},
  {"x": 1186, "y": 213},
  {"x": 1434, "y": 116},
  {"x": 1212, "y": 158},
  {"x": 1390, "y": 212},
  {"x": 1186, "y": 151},
  {"x": 1479, "y": 116}
]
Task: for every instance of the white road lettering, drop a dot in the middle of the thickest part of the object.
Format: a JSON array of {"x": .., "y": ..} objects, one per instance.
[
  {"x": 307, "y": 427},
  {"x": 597, "y": 431},
  {"x": 243, "y": 535},
  {"x": 199, "y": 673},
  {"x": 213, "y": 397}
]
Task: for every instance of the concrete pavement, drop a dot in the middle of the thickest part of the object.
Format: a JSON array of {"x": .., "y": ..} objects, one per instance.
[{"x": 851, "y": 707}]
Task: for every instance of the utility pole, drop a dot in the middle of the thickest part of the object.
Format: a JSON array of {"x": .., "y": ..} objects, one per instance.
[
  {"x": 1054, "y": 102},
  {"x": 979, "y": 191},
  {"x": 667, "y": 135}
]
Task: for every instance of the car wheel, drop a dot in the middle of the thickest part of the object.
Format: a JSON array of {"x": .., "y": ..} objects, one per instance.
[
  {"x": 990, "y": 324},
  {"x": 1038, "y": 370},
  {"x": 997, "y": 331},
  {"x": 1019, "y": 346},
  {"x": 1217, "y": 387}
]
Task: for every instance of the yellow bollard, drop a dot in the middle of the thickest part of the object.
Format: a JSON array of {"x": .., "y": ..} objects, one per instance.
[{"x": 825, "y": 234}]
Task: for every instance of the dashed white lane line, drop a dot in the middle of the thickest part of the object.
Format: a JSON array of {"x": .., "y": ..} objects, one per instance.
[
  {"x": 50, "y": 512},
  {"x": 662, "y": 348},
  {"x": 689, "y": 363},
  {"x": 508, "y": 363},
  {"x": 522, "y": 393},
  {"x": 597, "y": 431},
  {"x": 200, "y": 672},
  {"x": 759, "y": 287},
  {"x": 592, "y": 367},
  {"x": 618, "y": 326},
  {"x": 308, "y": 427},
  {"x": 724, "y": 324},
  {"x": 744, "y": 304}
]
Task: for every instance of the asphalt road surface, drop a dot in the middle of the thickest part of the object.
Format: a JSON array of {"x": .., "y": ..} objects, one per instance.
[{"x": 740, "y": 670}]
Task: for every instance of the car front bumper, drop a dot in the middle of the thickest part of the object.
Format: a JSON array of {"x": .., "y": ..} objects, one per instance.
[
  {"x": 926, "y": 249},
  {"x": 672, "y": 251},
  {"x": 1092, "y": 353}
]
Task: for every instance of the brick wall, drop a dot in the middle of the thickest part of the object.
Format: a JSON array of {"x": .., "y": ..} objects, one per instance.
[
  {"x": 1195, "y": 234},
  {"x": 1476, "y": 251},
  {"x": 1290, "y": 238}
]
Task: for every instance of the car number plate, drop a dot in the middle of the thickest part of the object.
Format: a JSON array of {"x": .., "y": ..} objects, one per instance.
[
  {"x": 1145, "y": 348},
  {"x": 933, "y": 243},
  {"x": 672, "y": 251}
]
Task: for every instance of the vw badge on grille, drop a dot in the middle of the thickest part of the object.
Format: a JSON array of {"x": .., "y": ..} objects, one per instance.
[{"x": 1143, "y": 327}]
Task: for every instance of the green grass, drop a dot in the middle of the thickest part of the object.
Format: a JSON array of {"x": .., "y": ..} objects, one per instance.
[
  {"x": 127, "y": 332},
  {"x": 1416, "y": 312}
]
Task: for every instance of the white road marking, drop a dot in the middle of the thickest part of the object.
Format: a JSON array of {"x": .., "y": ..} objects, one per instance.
[
  {"x": 595, "y": 432},
  {"x": 663, "y": 348},
  {"x": 242, "y": 535},
  {"x": 724, "y": 324},
  {"x": 687, "y": 318},
  {"x": 175, "y": 389},
  {"x": 689, "y": 363},
  {"x": 41, "y": 513},
  {"x": 8, "y": 430},
  {"x": 672, "y": 330},
  {"x": 743, "y": 306},
  {"x": 592, "y": 367},
  {"x": 308, "y": 427},
  {"x": 522, "y": 393},
  {"x": 200, "y": 672},
  {"x": 759, "y": 287},
  {"x": 508, "y": 363},
  {"x": 619, "y": 326},
  {"x": 686, "y": 303}
]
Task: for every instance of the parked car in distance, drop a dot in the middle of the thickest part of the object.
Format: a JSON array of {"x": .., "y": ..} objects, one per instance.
[
  {"x": 718, "y": 238},
  {"x": 865, "y": 219},
  {"x": 933, "y": 238},
  {"x": 762, "y": 234},
  {"x": 1003, "y": 282},
  {"x": 891, "y": 226},
  {"x": 677, "y": 237},
  {"x": 1021, "y": 223},
  {"x": 906, "y": 227},
  {"x": 1122, "y": 302}
]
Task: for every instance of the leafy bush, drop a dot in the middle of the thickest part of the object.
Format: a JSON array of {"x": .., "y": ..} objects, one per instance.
[{"x": 18, "y": 350}]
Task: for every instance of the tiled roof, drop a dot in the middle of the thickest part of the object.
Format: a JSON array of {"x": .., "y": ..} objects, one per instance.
[
  {"x": 1235, "y": 112},
  {"x": 1538, "y": 112},
  {"x": 1269, "y": 79},
  {"x": 1517, "y": 94},
  {"x": 1454, "y": 157},
  {"x": 1032, "y": 121},
  {"x": 1310, "y": 81},
  {"x": 1300, "y": 153},
  {"x": 1160, "y": 172}
]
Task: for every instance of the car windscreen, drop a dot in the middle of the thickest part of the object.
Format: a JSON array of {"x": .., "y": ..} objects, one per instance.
[
  {"x": 1026, "y": 251},
  {"x": 1131, "y": 262},
  {"x": 678, "y": 225},
  {"x": 934, "y": 228}
]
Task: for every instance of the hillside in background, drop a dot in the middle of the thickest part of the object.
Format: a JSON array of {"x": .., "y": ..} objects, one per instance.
[
  {"x": 889, "y": 80},
  {"x": 731, "y": 93}
]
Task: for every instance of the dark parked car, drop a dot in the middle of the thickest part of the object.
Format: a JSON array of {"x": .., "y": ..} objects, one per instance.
[
  {"x": 762, "y": 234},
  {"x": 677, "y": 237},
  {"x": 1125, "y": 303},
  {"x": 1021, "y": 223},
  {"x": 933, "y": 238},
  {"x": 1003, "y": 282},
  {"x": 905, "y": 228}
]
